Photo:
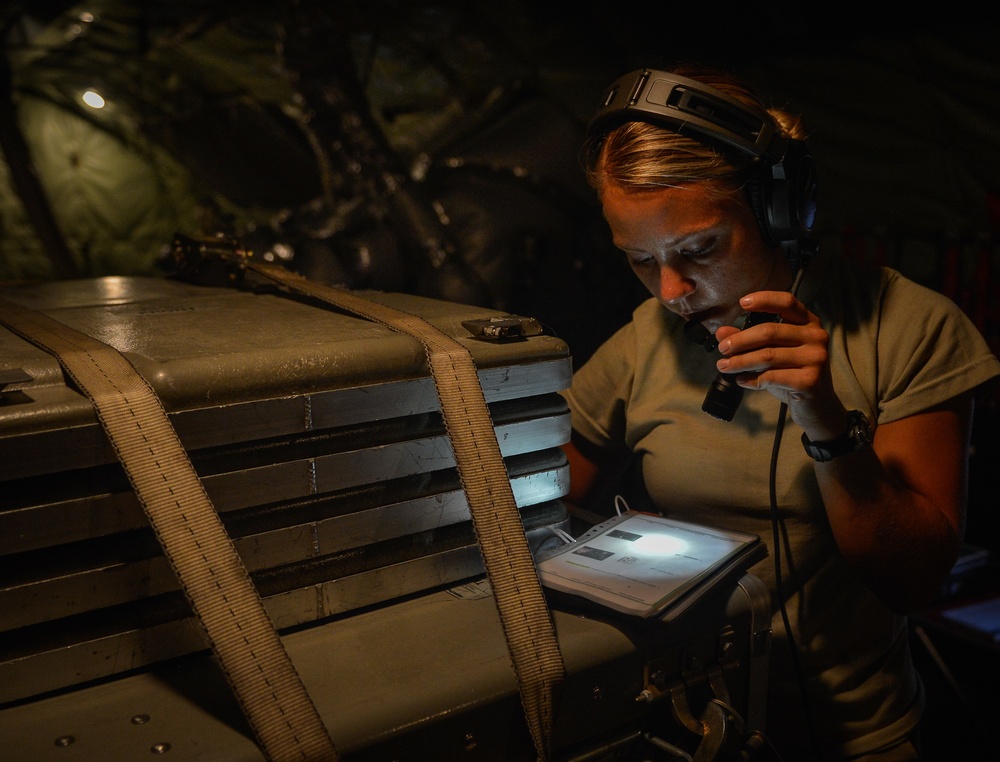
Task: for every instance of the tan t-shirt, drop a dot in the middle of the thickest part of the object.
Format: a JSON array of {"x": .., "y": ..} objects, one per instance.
[{"x": 897, "y": 348}]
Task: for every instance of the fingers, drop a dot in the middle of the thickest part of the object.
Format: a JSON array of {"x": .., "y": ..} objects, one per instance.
[
  {"x": 781, "y": 303},
  {"x": 790, "y": 356},
  {"x": 773, "y": 345},
  {"x": 798, "y": 383}
]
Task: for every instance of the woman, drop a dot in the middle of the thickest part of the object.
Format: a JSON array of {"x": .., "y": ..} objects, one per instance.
[{"x": 865, "y": 385}]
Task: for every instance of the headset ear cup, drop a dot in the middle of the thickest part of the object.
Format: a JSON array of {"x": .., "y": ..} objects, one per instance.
[
  {"x": 758, "y": 196},
  {"x": 783, "y": 196},
  {"x": 806, "y": 193},
  {"x": 792, "y": 203}
]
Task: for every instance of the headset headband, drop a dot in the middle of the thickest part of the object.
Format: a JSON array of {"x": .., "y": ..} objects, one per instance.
[
  {"x": 686, "y": 105},
  {"x": 782, "y": 191}
]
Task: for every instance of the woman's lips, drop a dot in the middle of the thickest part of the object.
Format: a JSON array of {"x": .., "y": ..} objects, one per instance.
[{"x": 712, "y": 318}]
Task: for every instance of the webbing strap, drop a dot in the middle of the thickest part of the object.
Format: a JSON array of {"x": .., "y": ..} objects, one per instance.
[
  {"x": 221, "y": 593},
  {"x": 524, "y": 613}
]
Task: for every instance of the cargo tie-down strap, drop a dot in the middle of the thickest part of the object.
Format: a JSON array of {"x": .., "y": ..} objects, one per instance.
[
  {"x": 213, "y": 576},
  {"x": 222, "y": 595},
  {"x": 521, "y": 604}
]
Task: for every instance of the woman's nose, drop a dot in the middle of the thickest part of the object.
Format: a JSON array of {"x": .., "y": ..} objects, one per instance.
[{"x": 674, "y": 285}]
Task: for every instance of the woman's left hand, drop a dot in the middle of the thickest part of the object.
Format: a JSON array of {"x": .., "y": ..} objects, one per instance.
[{"x": 789, "y": 359}]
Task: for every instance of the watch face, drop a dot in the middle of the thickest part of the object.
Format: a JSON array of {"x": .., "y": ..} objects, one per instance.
[
  {"x": 861, "y": 432},
  {"x": 857, "y": 437}
]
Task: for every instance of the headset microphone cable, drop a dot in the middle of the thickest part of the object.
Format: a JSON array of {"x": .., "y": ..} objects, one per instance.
[{"x": 776, "y": 541}]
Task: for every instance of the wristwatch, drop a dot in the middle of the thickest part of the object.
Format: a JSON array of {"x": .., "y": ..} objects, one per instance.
[{"x": 857, "y": 437}]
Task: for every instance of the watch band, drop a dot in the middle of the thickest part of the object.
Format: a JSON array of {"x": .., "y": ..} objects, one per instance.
[{"x": 857, "y": 437}]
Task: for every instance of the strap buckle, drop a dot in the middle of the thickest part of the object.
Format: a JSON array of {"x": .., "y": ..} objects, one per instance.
[
  {"x": 501, "y": 328},
  {"x": 218, "y": 260}
]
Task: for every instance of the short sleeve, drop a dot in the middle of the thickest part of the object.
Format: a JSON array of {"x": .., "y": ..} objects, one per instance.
[{"x": 929, "y": 350}]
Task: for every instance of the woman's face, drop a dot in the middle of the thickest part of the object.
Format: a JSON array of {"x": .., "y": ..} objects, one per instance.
[{"x": 697, "y": 248}]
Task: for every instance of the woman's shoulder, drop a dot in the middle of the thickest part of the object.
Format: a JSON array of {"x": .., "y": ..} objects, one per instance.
[{"x": 845, "y": 291}]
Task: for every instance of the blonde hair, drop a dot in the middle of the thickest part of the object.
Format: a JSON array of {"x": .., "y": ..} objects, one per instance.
[{"x": 642, "y": 156}]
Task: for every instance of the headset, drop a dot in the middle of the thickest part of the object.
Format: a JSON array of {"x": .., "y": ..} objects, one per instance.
[{"x": 782, "y": 189}]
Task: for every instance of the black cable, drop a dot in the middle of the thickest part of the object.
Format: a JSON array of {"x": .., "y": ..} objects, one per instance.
[{"x": 772, "y": 486}]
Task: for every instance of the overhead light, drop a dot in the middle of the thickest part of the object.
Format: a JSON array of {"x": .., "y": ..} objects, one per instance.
[
  {"x": 93, "y": 99},
  {"x": 78, "y": 27}
]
